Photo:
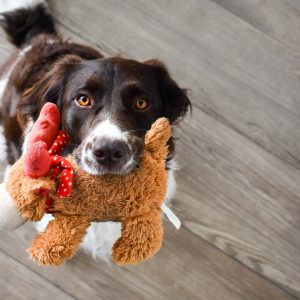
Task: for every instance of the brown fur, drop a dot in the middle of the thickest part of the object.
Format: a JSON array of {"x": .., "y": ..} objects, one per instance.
[
  {"x": 17, "y": 110},
  {"x": 134, "y": 200}
]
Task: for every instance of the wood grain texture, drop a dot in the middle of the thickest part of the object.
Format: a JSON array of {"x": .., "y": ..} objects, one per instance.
[
  {"x": 19, "y": 283},
  {"x": 186, "y": 268},
  {"x": 241, "y": 199},
  {"x": 238, "y": 75},
  {"x": 279, "y": 19}
]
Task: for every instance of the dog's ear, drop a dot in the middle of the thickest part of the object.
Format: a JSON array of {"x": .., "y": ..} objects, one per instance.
[
  {"x": 175, "y": 100},
  {"x": 49, "y": 88}
]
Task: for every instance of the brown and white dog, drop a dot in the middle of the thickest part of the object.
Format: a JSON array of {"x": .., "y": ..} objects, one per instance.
[{"x": 107, "y": 104}]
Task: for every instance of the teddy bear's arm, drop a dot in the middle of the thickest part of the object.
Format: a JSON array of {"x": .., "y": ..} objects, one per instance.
[
  {"x": 33, "y": 203},
  {"x": 141, "y": 237},
  {"x": 25, "y": 192},
  {"x": 60, "y": 241}
]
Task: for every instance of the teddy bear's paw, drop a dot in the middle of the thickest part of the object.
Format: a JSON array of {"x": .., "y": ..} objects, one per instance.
[
  {"x": 126, "y": 252},
  {"x": 37, "y": 185},
  {"x": 50, "y": 256},
  {"x": 34, "y": 211},
  {"x": 34, "y": 193}
]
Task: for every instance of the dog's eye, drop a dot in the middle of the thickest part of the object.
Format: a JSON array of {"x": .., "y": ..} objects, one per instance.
[
  {"x": 83, "y": 100},
  {"x": 141, "y": 104}
]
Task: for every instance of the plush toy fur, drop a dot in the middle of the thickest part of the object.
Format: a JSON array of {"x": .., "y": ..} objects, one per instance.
[{"x": 133, "y": 199}]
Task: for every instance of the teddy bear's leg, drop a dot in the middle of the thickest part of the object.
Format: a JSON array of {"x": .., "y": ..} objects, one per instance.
[
  {"x": 140, "y": 238},
  {"x": 10, "y": 217},
  {"x": 60, "y": 240}
]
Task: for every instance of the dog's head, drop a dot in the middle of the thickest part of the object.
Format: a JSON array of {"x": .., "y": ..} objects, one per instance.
[{"x": 107, "y": 105}]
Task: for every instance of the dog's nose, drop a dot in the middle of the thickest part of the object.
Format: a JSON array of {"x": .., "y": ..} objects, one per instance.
[{"x": 111, "y": 153}]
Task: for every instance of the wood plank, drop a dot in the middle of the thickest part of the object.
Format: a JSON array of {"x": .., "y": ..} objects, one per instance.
[
  {"x": 185, "y": 268},
  {"x": 279, "y": 19},
  {"x": 294, "y": 4},
  {"x": 232, "y": 41},
  {"x": 241, "y": 199},
  {"x": 19, "y": 283},
  {"x": 236, "y": 74}
]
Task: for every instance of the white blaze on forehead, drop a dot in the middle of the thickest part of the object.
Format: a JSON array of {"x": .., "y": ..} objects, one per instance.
[{"x": 109, "y": 130}]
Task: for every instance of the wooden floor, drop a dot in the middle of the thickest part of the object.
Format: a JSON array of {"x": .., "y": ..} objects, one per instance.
[{"x": 239, "y": 185}]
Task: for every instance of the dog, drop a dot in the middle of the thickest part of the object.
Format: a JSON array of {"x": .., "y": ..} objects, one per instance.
[{"x": 107, "y": 103}]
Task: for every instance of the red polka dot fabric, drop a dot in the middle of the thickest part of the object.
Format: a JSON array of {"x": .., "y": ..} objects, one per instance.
[
  {"x": 63, "y": 167},
  {"x": 60, "y": 168},
  {"x": 60, "y": 165},
  {"x": 59, "y": 143}
]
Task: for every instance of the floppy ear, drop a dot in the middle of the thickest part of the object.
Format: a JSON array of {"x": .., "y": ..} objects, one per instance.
[
  {"x": 175, "y": 100},
  {"x": 49, "y": 88}
]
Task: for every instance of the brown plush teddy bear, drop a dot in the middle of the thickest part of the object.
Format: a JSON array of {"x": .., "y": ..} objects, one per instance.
[{"x": 134, "y": 199}]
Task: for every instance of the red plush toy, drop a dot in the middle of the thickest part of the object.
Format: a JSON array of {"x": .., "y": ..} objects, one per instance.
[
  {"x": 44, "y": 149},
  {"x": 37, "y": 159}
]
